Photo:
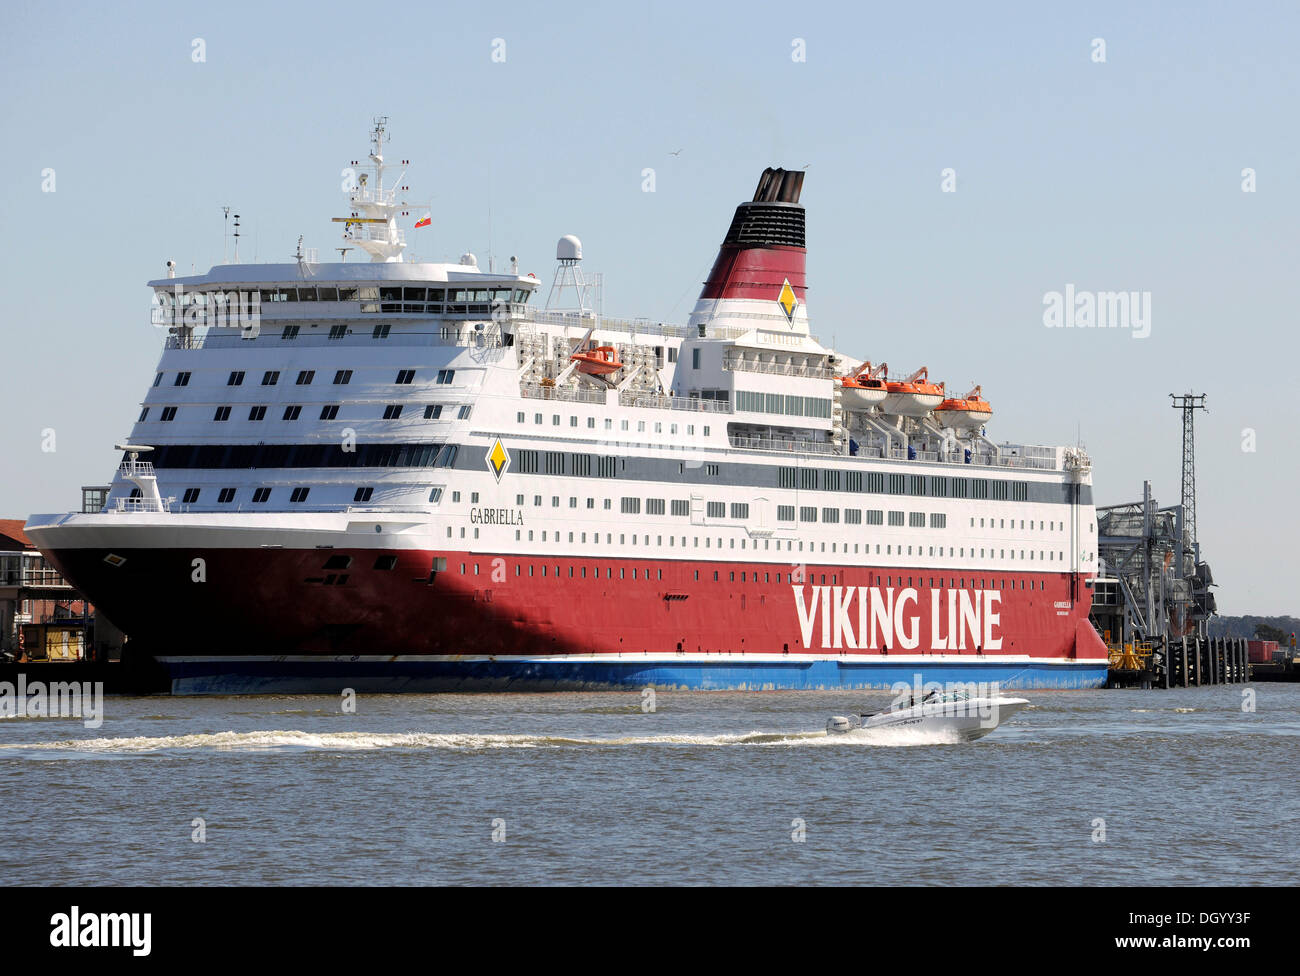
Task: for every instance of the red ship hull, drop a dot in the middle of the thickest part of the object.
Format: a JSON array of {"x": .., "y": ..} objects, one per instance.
[{"x": 499, "y": 609}]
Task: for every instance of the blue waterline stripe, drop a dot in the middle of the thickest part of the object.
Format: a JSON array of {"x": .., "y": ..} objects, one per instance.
[{"x": 235, "y": 676}]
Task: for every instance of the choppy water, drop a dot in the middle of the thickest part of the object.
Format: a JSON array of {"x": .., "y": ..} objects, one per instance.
[{"x": 706, "y": 789}]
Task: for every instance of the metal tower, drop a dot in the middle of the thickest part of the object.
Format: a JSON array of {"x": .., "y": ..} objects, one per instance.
[{"x": 1189, "y": 403}]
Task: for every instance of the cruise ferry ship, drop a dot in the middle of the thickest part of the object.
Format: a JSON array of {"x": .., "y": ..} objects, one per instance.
[{"x": 394, "y": 475}]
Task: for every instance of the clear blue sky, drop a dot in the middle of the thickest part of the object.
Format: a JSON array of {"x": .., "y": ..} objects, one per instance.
[{"x": 1120, "y": 175}]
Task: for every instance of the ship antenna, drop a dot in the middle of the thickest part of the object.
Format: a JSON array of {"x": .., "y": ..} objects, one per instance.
[
  {"x": 377, "y": 137},
  {"x": 306, "y": 260},
  {"x": 225, "y": 233},
  {"x": 236, "y": 238}
]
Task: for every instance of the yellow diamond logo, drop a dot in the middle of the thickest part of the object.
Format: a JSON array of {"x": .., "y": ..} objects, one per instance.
[
  {"x": 787, "y": 301},
  {"x": 498, "y": 459}
]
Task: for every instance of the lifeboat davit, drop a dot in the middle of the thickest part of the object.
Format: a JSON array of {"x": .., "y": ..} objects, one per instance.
[
  {"x": 597, "y": 361},
  {"x": 861, "y": 390},
  {"x": 964, "y": 412},
  {"x": 915, "y": 396}
]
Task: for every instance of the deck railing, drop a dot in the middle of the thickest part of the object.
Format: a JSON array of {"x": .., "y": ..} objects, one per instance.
[
  {"x": 565, "y": 394},
  {"x": 136, "y": 469},
  {"x": 688, "y": 404},
  {"x": 778, "y": 369},
  {"x": 1041, "y": 459},
  {"x": 133, "y": 505}
]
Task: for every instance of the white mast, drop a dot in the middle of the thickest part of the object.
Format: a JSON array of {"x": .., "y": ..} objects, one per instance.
[{"x": 372, "y": 225}]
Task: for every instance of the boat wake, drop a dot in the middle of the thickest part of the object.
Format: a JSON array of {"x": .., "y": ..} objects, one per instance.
[{"x": 296, "y": 741}]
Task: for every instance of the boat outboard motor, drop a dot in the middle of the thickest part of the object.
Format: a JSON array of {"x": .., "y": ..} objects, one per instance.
[{"x": 839, "y": 723}]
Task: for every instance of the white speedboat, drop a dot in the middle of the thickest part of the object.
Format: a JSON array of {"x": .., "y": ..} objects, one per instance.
[{"x": 967, "y": 717}]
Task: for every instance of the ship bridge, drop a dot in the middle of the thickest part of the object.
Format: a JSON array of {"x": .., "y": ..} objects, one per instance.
[{"x": 244, "y": 296}]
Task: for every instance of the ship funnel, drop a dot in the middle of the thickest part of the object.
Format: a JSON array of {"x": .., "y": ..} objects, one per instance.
[
  {"x": 758, "y": 279},
  {"x": 779, "y": 186}
]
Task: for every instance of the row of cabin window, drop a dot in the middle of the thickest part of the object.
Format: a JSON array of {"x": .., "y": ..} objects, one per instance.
[
  {"x": 632, "y": 506},
  {"x": 342, "y": 377},
  {"x": 954, "y": 552},
  {"x": 954, "y": 582},
  {"x": 227, "y": 495},
  {"x": 1039, "y": 525},
  {"x": 787, "y": 404},
  {"x": 609, "y": 424},
  {"x": 926, "y": 486},
  {"x": 854, "y": 516},
  {"x": 260, "y": 495},
  {"x": 740, "y": 510},
  {"x": 392, "y": 411}
]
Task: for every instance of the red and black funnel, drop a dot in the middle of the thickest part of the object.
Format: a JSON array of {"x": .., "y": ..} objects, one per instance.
[{"x": 764, "y": 246}]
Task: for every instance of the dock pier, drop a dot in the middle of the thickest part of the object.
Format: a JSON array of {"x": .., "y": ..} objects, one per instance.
[{"x": 1182, "y": 662}]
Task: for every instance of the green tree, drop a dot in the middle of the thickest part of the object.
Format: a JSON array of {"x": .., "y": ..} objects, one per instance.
[{"x": 1267, "y": 632}]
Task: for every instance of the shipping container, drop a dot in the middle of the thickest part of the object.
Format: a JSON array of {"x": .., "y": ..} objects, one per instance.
[{"x": 1262, "y": 651}]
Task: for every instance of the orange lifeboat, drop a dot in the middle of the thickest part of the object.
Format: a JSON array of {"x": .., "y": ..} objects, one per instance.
[
  {"x": 966, "y": 412},
  {"x": 915, "y": 396},
  {"x": 597, "y": 361},
  {"x": 860, "y": 390}
]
